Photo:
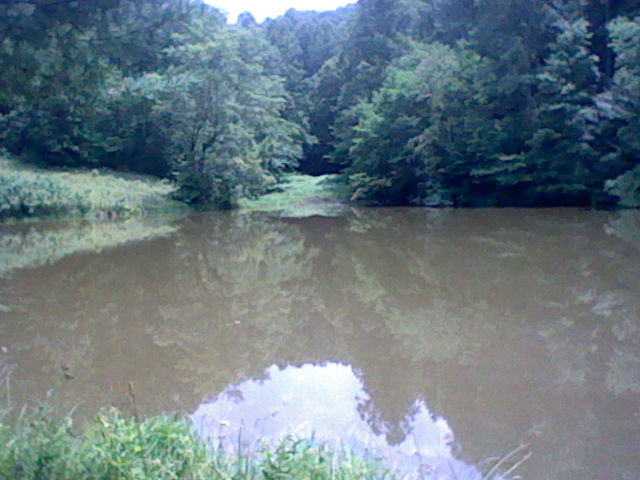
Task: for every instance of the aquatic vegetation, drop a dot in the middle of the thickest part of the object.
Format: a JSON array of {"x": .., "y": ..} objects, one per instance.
[{"x": 27, "y": 191}]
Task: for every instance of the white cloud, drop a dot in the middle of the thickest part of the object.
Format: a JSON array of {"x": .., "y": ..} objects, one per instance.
[{"x": 274, "y": 8}]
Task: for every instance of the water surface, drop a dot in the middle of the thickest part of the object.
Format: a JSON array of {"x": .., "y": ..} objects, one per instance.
[{"x": 436, "y": 335}]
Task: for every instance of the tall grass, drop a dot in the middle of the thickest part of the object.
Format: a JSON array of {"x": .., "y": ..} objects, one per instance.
[
  {"x": 27, "y": 191},
  {"x": 113, "y": 447}
]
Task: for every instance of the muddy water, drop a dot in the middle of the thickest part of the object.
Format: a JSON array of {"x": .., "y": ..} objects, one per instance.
[{"x": 436, "y": 339}]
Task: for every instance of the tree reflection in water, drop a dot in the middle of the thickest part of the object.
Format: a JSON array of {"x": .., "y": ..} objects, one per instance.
[{"x": 501, "y": 320}]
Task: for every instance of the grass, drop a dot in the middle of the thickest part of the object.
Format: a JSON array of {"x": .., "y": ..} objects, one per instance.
[
  {"x": 303, "y": 195},
  {"x": 113, "y": 447},
  {"x": 28, "y": 191},
  {"x": 37, "y": 446}
]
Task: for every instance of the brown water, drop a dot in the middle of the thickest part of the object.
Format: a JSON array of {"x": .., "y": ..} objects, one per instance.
[{"x": 424, "y": 335}]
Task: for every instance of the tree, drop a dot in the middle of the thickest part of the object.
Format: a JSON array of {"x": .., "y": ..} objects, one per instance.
[
  {"x": 559, "y": 165},
  {"x": 65, "y": 99},
  {"x": 306, "y": 42},
  {"x": 626, "y": 89},
  {"x": 223, "y": 115},
  {"x": 562, "y": 159},
  {"x": 419, "y": 138},
  {"x": 377, "y": 35}
]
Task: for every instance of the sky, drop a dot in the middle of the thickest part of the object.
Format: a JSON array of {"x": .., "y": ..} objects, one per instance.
[{"x": 262, "y": 9}]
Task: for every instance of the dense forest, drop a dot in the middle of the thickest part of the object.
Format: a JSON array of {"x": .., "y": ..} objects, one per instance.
[{"x": 413, "y": 102}]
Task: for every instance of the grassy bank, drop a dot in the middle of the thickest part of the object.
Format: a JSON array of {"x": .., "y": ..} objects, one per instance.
[
  {"x": 303, "y": 195},
  {"x": 28, "y": 191},
  {"x": 159, "y": 448}
]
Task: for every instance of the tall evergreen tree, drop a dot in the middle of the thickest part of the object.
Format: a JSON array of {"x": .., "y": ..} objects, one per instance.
[
  {"x": 559, "y": 167},
  {"x": 626, "y": 89}
]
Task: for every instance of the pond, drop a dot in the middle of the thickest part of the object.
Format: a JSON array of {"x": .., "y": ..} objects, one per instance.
[{"x": 437, "y": 339}]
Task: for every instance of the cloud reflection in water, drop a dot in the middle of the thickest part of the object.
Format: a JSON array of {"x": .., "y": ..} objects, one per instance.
[{"x": 327, "y": 402}]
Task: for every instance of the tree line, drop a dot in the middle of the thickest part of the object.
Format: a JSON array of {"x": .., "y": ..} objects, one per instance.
[{"x": 413, "y": 102}]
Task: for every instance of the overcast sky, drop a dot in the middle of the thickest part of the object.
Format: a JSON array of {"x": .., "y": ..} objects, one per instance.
[{"x": 262, "y": 9}]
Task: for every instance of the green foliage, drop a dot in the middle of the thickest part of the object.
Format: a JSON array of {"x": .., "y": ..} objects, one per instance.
[
  {"x": 375, "y": 39},
  {"x": 626, "y": 187},
  {"x": 423, "y": 131},
  {"x": 306, "y": 42},
  {"x": 61, "y": 65},
  {"x": 154, "y": 87},
  {"x": 41, "y": 119},
  {"x": 512, "y": 114},
  {"x": 302, "y": 196},
  {"x": 558, "y": 168},
  {"x": 303, "y": 459},
  {"x": 158, "y": 447},
  {"x": 37, "y": 446},
  {"x": 626, "y": 101},
  {"x": 540, "y": 97},
  {"x": 224, "y": 117},
  {"x": 26, "y": 191}
]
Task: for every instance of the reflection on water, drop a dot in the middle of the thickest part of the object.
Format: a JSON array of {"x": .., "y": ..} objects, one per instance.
[
  {"x": 328, "y": 403},
  {"x": 31, "y": 245},
  {"x": 502, "y": 321}
]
